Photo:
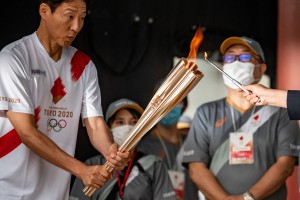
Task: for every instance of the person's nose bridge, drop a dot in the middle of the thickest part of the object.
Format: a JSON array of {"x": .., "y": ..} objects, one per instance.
[
  {"x": 77, "y": 24},
  {"x": 130, "y": 122},
  {"x": 127, "y": 121}
]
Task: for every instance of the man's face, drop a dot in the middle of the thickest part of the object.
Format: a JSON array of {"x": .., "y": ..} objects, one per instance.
[
  {"x": 65, "y": 22},
  {"x": 241, "y": 49}
]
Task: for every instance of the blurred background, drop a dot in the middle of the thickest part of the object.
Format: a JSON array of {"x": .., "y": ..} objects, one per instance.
[
  {"x": 133, "y": 43},
  {"x": 136, "y": 43}
]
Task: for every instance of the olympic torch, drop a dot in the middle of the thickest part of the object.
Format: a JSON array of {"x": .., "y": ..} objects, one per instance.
[{"x": 178, "y": 83}]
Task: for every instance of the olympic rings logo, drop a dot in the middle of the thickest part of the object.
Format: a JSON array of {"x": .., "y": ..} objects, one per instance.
[{"x": 56, "y": 125}]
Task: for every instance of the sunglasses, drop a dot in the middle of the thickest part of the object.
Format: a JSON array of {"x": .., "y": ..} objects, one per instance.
[{"x": 229, "y": 58}]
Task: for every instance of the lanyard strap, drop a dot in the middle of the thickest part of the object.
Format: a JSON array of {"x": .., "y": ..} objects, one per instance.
[
  {"x": 123, "y": 184},
  {"x": 169, "y": 163},
  {"x": 220, "y": 157}
]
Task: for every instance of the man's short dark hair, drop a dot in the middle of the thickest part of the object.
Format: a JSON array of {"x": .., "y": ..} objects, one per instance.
[{"x": 53, "y": 4}]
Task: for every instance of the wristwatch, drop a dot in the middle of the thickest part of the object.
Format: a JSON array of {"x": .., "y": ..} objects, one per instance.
[{"x": 248, "y": 196}]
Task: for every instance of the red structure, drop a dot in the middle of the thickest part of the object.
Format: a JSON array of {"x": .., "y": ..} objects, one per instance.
[{"x": 288, "y": 51}]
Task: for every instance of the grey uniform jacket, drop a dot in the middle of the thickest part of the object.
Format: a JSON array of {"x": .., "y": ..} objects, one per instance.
[
  {"x": 148, "y": 179},
  {"x": 274, "y": 135}
]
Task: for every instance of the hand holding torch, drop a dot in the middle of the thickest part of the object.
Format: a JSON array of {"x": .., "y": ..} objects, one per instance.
[{"x": 178, "y": 83}]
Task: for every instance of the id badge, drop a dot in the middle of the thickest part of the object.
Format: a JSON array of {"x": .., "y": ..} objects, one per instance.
[
  {"x": 241, "y": 148},
  {"x": 178, "y": 180}
]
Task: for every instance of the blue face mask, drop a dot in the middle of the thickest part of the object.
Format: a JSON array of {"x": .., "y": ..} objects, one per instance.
[{"x": 172, "y": 117}]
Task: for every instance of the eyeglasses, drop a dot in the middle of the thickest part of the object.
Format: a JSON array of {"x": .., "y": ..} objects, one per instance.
[{"x": 229, "y": 58}]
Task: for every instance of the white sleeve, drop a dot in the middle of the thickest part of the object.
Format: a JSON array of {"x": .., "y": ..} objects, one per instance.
[
  {"x": 14, "y": 84},
  {"x": 91, "y": 105}
]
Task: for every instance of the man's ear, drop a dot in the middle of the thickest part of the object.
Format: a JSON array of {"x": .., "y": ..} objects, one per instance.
[
  {"x": 44, "y": 10},
  {"x": 263, "y": 68}
]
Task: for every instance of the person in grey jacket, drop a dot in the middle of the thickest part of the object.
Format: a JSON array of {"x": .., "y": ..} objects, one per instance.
[
  {"x": 145, "y": 177},
  {"x": 235, "y": 150}
]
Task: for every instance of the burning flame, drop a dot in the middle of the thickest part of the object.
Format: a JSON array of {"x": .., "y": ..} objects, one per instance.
[
  {"x": 205, "y": 55},
  {"x": 195, "y": 43}
]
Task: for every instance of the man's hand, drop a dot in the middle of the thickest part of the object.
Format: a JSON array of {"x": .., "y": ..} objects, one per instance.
[
  {"x": 257, "y": 94},
  {"x": 117, "y": 159},
  {"x": 261, "y": 95},
  {"x": 95, "y": 176}
]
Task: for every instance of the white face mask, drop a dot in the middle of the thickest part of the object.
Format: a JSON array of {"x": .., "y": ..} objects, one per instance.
[
  {"x": 240, "y": 71},
  {"x": 120, "y": 133}
]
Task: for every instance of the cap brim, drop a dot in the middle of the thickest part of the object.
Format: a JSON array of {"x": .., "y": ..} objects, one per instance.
[
  {"x": 182, "y": 125},
  {"x": 234, "y": 41},
  {"x": 136, "y": 107}
]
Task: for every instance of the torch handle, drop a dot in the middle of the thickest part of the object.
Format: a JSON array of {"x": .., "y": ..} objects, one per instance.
[
  {"x": 175, "y": 87},
  {"x": 88, "y": 191}
]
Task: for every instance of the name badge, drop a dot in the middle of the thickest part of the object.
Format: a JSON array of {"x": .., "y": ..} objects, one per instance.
[
  {"x": 241, "y": 148},
  {"x": 178, "y": 181}
]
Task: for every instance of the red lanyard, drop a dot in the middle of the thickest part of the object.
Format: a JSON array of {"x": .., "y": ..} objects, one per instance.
[{"x": 122, "y": 185}]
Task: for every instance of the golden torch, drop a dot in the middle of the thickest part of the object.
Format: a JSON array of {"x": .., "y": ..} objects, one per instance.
[{"x": 178, "y": 83}]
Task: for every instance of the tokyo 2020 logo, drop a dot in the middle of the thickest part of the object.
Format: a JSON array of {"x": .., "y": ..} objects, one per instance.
[{"x": 56, "y": 125}]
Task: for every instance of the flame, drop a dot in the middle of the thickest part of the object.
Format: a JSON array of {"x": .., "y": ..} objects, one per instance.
[
  {"x": 195, "y": 43},
  {"x": 205, "y": 55}
]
